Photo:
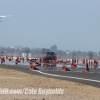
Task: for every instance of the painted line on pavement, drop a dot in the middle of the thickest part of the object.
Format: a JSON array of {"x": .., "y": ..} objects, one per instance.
[{"x": 67, "y": 76}]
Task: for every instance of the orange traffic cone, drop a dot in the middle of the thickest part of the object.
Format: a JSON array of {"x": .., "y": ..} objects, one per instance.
[
  {"x": 73, "y": 65},
  {"x": 64, "y": 68},
  {"x": 32, "y": 67},
  {"x": 87, "y": 68}
]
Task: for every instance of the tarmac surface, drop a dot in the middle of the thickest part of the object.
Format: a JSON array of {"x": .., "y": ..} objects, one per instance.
[{"x": 75, "y": 74}]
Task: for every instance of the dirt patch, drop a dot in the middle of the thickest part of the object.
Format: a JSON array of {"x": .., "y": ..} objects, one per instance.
[{"x": 11, "y": 79}]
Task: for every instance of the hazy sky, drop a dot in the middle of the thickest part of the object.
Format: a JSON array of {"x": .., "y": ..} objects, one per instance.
[{"x": 69, "y": 24}]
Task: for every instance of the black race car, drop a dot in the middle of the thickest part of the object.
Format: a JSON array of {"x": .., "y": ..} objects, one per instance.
[{"x": 50, "y": 56}]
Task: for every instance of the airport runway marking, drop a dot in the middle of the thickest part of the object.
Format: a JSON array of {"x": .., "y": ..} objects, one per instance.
[
  {"x": 67, "y": 76},
  {"x": 60, "y": 70},
  {"x": 71, "y": 71}
]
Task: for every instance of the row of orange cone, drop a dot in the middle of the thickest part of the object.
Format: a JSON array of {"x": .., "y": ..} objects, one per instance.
[
  {"x": 64, "y": 68},
  {"x": 73, "y": 65}
]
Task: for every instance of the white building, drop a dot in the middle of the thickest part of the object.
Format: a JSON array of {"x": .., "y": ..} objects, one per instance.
[
  {"x": 23, "y": 54},
  {"x": 17, "y": 47}
]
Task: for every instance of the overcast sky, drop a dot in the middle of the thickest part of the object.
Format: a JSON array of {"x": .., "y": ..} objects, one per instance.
[{"x": 69, "y": 24}]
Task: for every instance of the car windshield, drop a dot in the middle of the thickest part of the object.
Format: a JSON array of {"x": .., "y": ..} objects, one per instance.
[{"x": 50, "y": 53}]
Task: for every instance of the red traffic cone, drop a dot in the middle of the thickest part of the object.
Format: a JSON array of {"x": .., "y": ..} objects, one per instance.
[
  {"x": 32, "y": 67},
  {"x": 87, "y": 68},
  {"x": 73, "y": 65},
  {"x": 64, "y": 68}
]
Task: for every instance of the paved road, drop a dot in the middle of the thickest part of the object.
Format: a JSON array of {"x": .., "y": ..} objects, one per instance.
[{"x": 75, "y": 75}]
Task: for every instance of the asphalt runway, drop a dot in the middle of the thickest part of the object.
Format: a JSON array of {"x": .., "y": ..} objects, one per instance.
[{"x": 75, "y": 75}]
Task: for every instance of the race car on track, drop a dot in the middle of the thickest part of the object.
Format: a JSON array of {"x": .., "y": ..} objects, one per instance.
[{"x": 50, "y": 56}]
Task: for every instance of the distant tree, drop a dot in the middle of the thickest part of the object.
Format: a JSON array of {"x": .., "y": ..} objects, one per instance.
[
  {"x": 73, "y": 54},
  {"x": 44, "y": 50},
  {"x": 2, "y": 53},
  {"x": 61, "y": 54},
  {"x": 84, "y": 54},
  {"x": 79, "y": 54},
  {"x": 90, "y": 54},
  {"x": 99, "y": 54}
]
